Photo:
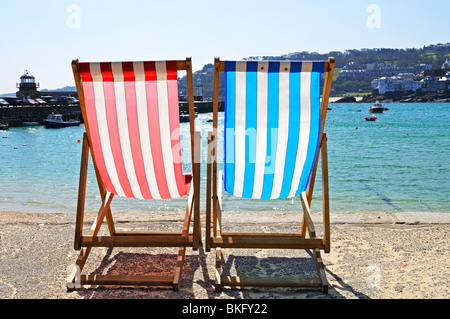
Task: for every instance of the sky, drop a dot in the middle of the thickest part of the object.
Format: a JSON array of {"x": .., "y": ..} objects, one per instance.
[{"x": 44, "y": 36}]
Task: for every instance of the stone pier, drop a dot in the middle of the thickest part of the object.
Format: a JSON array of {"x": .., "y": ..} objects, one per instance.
[{"x": 16, "y": 115}]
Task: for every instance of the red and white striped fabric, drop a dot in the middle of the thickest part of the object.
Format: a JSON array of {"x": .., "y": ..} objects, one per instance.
[{"x": 133, "y": 117}]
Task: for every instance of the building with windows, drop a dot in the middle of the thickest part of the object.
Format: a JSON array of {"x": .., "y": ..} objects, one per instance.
[
  {"x": 446, "y": 64},
  {"x": 435, "y": 84},
  {"x": 28, "y": 87},
  {"x": 377, "y": 69},
  {"x": 401, "y": 82}
]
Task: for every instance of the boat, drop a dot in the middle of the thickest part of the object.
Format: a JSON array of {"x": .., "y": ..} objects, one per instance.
[
  {"x": 56, "y": 120},
  {"x": 377, "y": 107},
  {"x": 4, "y": 127},
  {"x": 371, "y": 118},
  {"x": 30, "y": 123},
  {"x": 184, "y": 117}
]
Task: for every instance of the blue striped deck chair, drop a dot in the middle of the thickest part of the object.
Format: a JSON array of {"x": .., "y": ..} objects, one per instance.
[{"x": 273, "y": 138}]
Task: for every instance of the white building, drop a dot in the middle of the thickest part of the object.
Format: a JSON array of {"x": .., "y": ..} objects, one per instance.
[
  {"x": 402, "y": 82},
  {"x": 446, "y": 64}
]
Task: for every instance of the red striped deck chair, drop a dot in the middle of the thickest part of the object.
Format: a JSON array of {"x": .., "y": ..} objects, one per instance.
[
  {"x": 273, "y": 135},
  {"x": 131, "y": 116}
]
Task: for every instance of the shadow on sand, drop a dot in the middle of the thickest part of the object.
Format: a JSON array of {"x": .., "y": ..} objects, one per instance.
[{"x": 198, "y": 277}]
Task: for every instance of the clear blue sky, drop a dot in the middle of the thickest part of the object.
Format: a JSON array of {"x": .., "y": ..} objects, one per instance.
[{"x": 44, "y": 36}]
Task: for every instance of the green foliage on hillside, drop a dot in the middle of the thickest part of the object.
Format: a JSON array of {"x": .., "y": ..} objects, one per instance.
[{"x": 357, "y": 85}]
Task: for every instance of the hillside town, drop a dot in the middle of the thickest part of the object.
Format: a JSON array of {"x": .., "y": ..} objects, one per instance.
[
  {"x": 412, "y": 75},
  {"x": 390, "y": 78}
]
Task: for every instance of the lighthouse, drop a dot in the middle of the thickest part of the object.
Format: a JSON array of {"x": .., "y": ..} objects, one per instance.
[
  {"x": 28, "y": 87},
  {"x": 198, "y": 94}
]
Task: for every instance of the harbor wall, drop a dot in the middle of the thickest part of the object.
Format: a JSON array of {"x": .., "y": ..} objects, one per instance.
[
  {"x": 201, "y": 106},
  {"x": 15, "y": 116}
]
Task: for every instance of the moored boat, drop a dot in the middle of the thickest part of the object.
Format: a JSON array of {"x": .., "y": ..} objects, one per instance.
[
  {"x": 30, "y": 123},
  {"x": 371, "y": 118},
  {"x": 184, "y": 117},
  {"x": 56, "y": 120},
  {"x": 377, "y": 107}
]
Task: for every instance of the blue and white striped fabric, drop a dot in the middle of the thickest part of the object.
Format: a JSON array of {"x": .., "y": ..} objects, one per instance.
[{"x": 272, "y": 127}]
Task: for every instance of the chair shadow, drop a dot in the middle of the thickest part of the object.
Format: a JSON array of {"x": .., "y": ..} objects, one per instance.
[
  {"x": 201, "y": 285},
  {"x": 282, "y": 267},
  {"x": 137, "y": 264}
]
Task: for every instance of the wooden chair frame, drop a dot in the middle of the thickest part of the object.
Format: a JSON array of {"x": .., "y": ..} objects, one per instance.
[
  {"x": 182, "y": 239},
  {"x": 220, "y": 240}
]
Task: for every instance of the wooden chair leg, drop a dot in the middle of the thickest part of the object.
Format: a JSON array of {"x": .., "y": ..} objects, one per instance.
[
  {"x": 196, "y": 185},
  {"x": 179, "y": 268},
  {"x": 217, "y": 220},
  {"x": 321, "y": 270},
  {"x": 81, "y": 193},
  {"x": 218, "y": 272},
  {"x": 325, "y": 197},
  {"x": 208, "y": 194},
  {"x": 84, "y": 254},
  {"x": 182, "y": 251}
]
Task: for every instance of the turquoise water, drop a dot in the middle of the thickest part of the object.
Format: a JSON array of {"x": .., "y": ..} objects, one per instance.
[{"x": 398, "y": 163}]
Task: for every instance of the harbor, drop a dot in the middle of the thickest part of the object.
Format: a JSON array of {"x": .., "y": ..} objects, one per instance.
[
  {"x": 33, "y": 106},
  {"x": 364, "y": 173},
  {"x": 15, "y": 116}
]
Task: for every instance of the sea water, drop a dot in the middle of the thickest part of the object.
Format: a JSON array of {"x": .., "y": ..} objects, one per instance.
[{"x": 399, "y": 163}]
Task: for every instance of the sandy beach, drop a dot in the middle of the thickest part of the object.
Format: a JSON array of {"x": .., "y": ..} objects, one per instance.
[
  {"x": 373, "y": 256},
  {"x": 335, "y": 99}
]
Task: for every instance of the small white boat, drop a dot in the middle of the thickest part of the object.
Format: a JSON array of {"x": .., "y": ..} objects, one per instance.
[
  {"x": 371, "y": 118},
  {"x": 377, "y": 107}
]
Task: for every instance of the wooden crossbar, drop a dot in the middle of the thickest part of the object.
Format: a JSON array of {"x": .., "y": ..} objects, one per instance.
[
  {"x": 239, "y": 281},
  {"x": 268, "y": 242},
  {"x": 123, "y": 280},
  {"x": 145, "y": 233},
  {"x": 136, "y": 241}
]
